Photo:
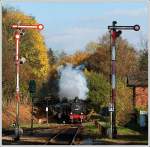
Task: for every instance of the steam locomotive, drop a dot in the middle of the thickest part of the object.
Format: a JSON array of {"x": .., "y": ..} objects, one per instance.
[{"x": 71, "y": 112}]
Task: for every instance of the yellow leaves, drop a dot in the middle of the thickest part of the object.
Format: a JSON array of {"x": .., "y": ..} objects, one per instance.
[
  {"x": 32, "y": 44},
  {"x": 76, "y": 58},
  {"x": 20, "y": 18},
  {"x": 86, "y": 71}
]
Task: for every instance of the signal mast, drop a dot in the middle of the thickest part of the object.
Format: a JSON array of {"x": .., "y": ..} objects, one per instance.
[
  {"x": 115, "y": 32},
  {"x": 19, "y": 31}
]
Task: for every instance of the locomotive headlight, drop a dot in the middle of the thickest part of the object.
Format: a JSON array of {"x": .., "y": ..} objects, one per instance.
[
  {"x": 71, "y": 113},
  {"x": 81, "y": 113}
]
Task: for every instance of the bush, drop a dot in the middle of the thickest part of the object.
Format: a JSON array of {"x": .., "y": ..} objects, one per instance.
[
  {"x": 124, "y": 107},
  {"x": 98, "y": 90}
]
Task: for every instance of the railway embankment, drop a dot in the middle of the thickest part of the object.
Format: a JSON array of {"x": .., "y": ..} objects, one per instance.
[{"x": 9, "y": 114}]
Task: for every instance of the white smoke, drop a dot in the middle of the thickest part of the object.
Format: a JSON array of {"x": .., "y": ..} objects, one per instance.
[{"x": 72, "y": 83}]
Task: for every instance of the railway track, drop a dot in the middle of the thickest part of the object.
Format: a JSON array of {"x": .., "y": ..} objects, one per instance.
[{"x": 64, "y": 137}]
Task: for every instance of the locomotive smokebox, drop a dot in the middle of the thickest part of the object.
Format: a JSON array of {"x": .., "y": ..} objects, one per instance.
[{"x": 76, "y": 99}]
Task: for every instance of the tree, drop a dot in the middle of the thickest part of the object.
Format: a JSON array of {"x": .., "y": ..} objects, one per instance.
[
  {"x": 99, "y": 90},
  {"x": 91, "y": 47},
  {"x": 32, "y": 47},
  {"x": 100, "y": 60},
  {"x": 143, "y": 60},
  {"x": 124, "y": 106},
  {"x": 51, "y": 57},
  {"x": 76, "y": 59}
]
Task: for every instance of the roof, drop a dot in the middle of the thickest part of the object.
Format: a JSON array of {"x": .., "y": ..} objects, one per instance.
[{"x": 139, "y": 79}]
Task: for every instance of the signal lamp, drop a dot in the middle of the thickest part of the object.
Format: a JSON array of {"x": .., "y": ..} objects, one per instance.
[
  {"x": 118, "y": 33},
  {"x": 22, "y": 32}
]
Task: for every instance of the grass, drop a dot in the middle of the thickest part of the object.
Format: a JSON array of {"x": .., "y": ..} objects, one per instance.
[
  {"x": 127, "y": 136},
  {"x": 36, "y": 126},
  {"x": 105, "y": 124},
  {"x": 127, "y": 131},
  {"x": 40, "y": 125},
  {"x": 90, "y": 128},
  {"x": 124, "y": 136}
]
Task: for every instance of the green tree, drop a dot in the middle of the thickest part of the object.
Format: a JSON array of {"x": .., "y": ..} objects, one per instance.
[
  {"x": 99, "y": 90},
  {"x": 124, "y": 103},
  {"x": 143, "y": 60}
]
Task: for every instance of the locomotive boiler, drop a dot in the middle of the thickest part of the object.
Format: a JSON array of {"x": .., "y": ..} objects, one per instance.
[
  {"x": 71, "y": 111},
  {"x": 77, "y": 110}
]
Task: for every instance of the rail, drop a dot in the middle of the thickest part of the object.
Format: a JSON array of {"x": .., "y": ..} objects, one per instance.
[{"x": 66, "y": 136}]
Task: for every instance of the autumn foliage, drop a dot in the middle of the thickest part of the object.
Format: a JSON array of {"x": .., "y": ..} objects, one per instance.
[
  {"x": 32, "y": 47},
  {"x": 42, "y": 65}
]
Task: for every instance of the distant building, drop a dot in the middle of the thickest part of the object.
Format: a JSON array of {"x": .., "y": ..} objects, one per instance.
[{"x": 139, "y": 84}]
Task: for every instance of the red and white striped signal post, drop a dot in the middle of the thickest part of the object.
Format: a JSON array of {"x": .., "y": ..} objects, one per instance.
[
  {"x": 18, "y": 34},
  {"x": 37, "y": 26},
  {"x": 17, "y": 37},
  {"x": 115, "y": 31}
]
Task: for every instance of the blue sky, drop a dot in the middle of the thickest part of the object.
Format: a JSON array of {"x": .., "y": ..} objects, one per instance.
[{"x": 70, "y": 26}]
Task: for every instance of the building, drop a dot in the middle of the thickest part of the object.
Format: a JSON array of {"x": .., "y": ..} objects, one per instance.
[{"x": 139, "y": 84}]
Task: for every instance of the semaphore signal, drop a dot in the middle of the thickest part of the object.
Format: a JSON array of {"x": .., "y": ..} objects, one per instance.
[
  {"x": 115, "y": 32},
  {"x": 18, "y": 33},
  {"x": 37, "y": 26},
  {"x": 135, "y": 27}
]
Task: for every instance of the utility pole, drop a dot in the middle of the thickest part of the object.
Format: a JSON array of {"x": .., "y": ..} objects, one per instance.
[
  {"x": 115, "y": 31},
  {"x": 47, "y": 111},
  {"x": 47, "y": 107},
  {"x": 20, "y": 31}
]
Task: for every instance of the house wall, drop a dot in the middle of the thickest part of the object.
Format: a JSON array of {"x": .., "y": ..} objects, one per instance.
[{"x": 141, "y": 97}]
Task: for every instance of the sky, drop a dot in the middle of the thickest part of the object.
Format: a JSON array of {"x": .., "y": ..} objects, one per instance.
[{"x": 69, "y": 27}]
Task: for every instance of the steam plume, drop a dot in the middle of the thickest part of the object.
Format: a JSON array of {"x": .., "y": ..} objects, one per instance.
[{"x": 72, "y": 83}]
